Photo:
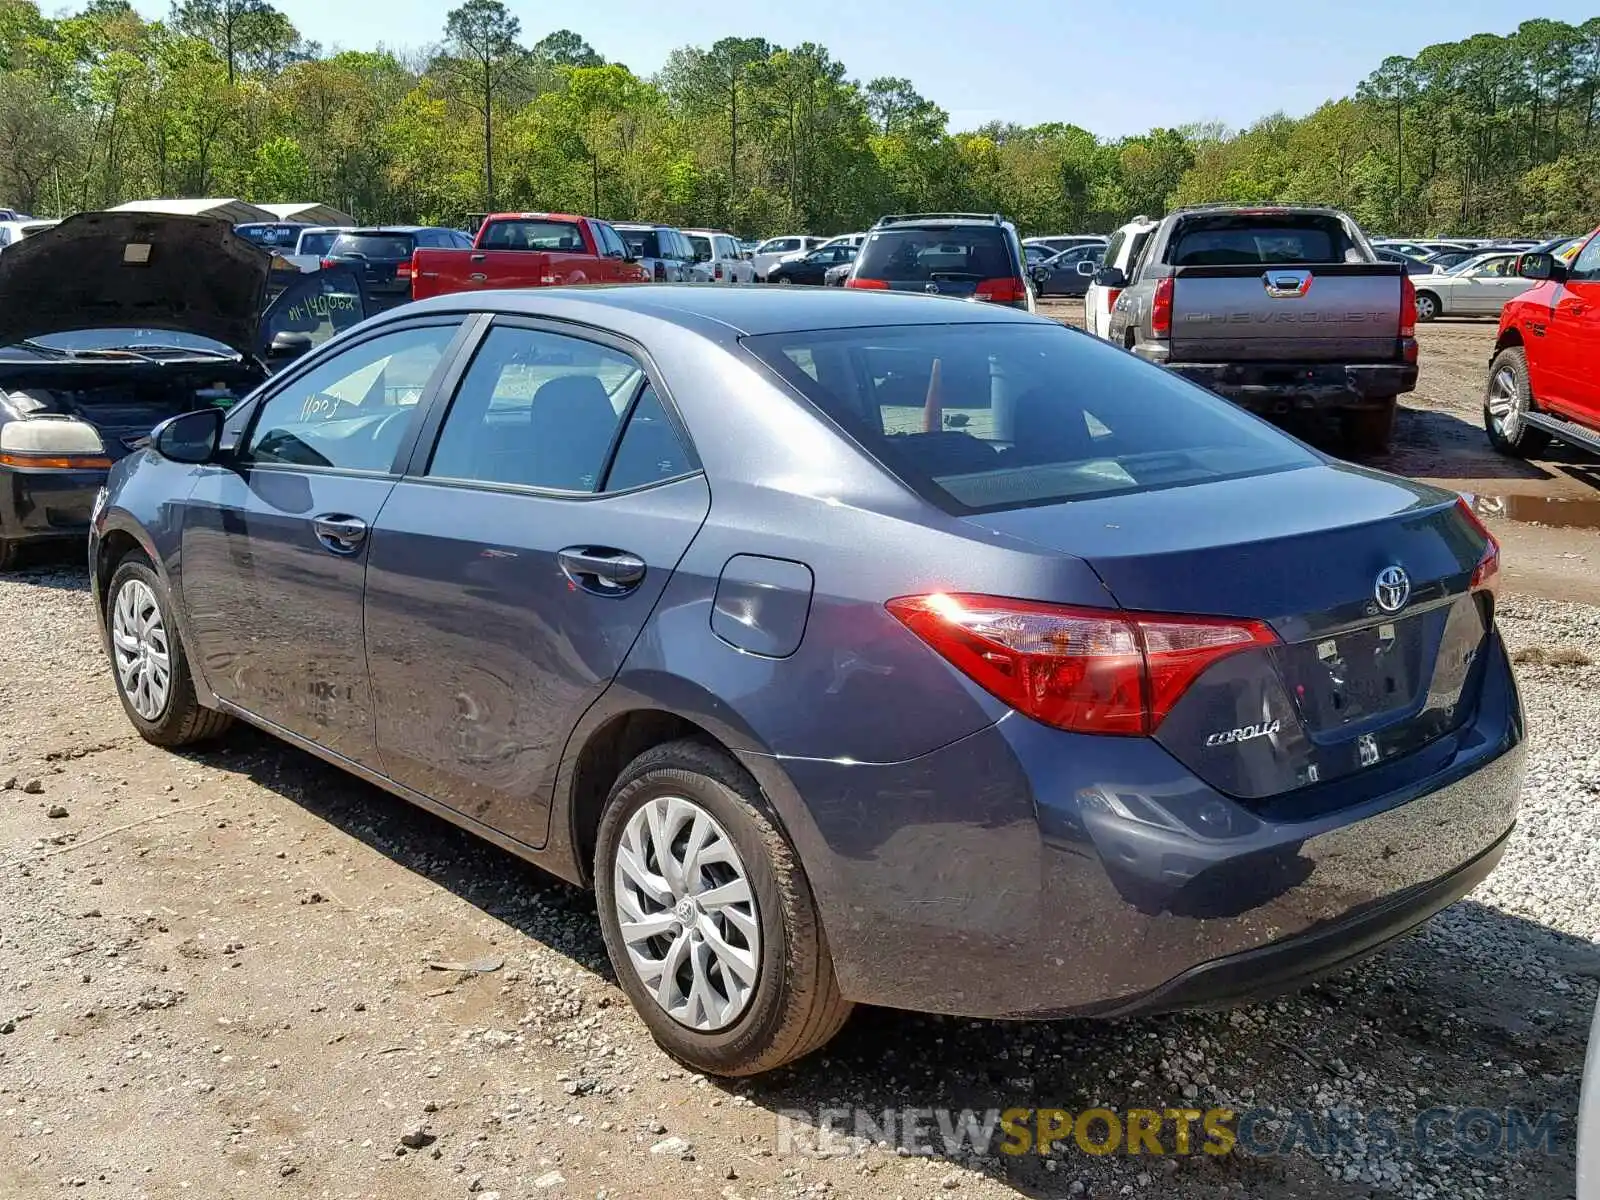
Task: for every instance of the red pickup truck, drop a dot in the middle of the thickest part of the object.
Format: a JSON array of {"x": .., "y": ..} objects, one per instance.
[
  {"x": 1542, "y": 381},
  {"x": 523, "y": 250}
]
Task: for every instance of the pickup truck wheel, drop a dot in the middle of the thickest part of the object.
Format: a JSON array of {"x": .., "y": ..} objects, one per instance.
[
  {"x": 1507, "y": 401},
  {"x": 1368, "y": 431},
  {"x": 1428, "y": 306}
]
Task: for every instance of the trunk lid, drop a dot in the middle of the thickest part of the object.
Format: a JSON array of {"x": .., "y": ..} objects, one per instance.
[
  {"x": 135, "y": 270},
  {"x": 1324, "y": 312},
  {"x": 1357, "y": 678}
]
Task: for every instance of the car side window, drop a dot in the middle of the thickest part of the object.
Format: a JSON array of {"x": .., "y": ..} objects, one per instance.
[
  {"x": 610, "y": 243},
  {"x": 650, "y": 450},
  {"x": 351, "y": 411},
  {"x": 1587, "y": 265},
  {"x": 535, "y": 409}
]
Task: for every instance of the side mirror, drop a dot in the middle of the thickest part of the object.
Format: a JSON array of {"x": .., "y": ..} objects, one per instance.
[
  {"x": 287, "y": 346},
  {"x": 191, "y": 437},
  {"x": 1088, "y": 267},
  {"x": 1541, "y": 266}
]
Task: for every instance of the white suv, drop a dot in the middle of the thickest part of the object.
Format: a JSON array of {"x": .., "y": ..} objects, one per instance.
[
  {"x": 717, "y": 257},
  {"x": 1122, "y": 251}
]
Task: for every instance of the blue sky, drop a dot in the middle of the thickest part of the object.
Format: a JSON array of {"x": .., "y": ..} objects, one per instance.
[{"x": 1111, "y": 68}]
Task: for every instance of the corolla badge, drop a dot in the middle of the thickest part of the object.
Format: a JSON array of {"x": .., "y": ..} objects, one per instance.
[
  {"x": 1247, "y": 733},
  {"x": 1392, "y": 589}
]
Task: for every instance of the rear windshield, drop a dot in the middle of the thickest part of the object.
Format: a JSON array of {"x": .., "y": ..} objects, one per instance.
[
  {"x": 702, "y": 247},
  {"x": 532, "y": 235},
  {"x": 1234, "y": 240},
  {"x": 316, "y": 243},
  {"x": 957, "y": 252},
  {"x": 991, "y": 416},
  {"x": 373, "y": 245},
  {"x": 643, "y": 242}
]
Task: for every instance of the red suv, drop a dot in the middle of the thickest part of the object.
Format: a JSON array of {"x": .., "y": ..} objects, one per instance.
[{"x": 1542, "y": 380}]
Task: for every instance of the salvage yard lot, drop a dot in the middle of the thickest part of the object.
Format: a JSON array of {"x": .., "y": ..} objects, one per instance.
[{"x": 230, "y": 973}]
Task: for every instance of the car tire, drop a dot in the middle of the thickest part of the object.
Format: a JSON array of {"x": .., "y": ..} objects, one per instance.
[
  {"x": 10, "y": 554},
  {"x": 1428, "y": 306},
  {"x": 784, "y": 281},
  {"x": 1507, "y": 401},
  {"x": 1368, "y": 432},
  {"x": 792, "y": 1004},
  {"x": 165, "y": 716}
]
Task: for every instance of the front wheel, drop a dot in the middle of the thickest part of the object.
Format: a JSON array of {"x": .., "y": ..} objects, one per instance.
[
  {"x": 1507, "y": 401},
  {"x": 785, "y": 281},
  {"x": 149, "y": 666},
  {"x": 708, "y": 917},
  {"x": 1428, "y": 306}
]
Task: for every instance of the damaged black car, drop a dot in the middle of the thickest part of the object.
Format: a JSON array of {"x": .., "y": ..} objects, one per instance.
[{"x": 114, "y": 321}]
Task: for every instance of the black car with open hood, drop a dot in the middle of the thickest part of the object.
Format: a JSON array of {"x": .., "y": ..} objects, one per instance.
[{"x": 113, "y": 321}]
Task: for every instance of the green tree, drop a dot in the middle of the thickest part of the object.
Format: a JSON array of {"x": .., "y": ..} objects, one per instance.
[{"x": 484, "y": 59}]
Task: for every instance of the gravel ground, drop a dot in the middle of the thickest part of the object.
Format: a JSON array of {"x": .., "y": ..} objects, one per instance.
[{"x": 243, "y": 973}]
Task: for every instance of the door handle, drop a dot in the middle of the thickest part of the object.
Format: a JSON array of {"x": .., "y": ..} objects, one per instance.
[
  {"x": 339, "y": 533},
  {"x": 600, "y": 570}
]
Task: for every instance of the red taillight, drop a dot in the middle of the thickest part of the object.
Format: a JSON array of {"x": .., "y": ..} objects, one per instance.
[
  {"x": 1111, "y": 298},
  {"x": 660, "y": 271},
  {"x": 329, "y": 262},
  {"x": 1408, "y": 307},
  {"x": 1161, "y": 309},
  {"x": 1486, "y": 575},
  {"x": 1083, "y": 669},
  {"x": 716, "y": 271},
  {"x": 1002, "y": 291},
  {"x": 405, "y": 270},
  {"x": 867, "y": 285}
]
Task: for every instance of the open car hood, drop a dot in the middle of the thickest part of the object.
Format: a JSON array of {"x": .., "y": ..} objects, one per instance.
[{"x": 134, "y": 270}]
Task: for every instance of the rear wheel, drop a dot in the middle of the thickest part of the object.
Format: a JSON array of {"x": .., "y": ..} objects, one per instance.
[
  {"x": 1428, "y": 306},
  {"x": 708, "y": 917},
  {"x": 149, "y": 666},
  {"x": 1507, "y": 401},
  {"x": 1368, "y": 431},
  {"x": 785, "y": 281}
]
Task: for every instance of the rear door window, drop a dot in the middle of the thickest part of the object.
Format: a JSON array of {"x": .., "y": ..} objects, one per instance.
[
  {"x": 964, "y": 252},
  {"x": 994, "y": 416}
]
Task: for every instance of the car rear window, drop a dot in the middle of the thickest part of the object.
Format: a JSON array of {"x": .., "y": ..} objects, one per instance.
[
  {"x": 702, "y": 247},
  {"x": 373, "y": 245},
  {"x": 929, "y": 253},
  {"x": 316, "y": 243},
  {"x": 1242, "y": 239},
  {"x": 645, "y": 243},
  {"x": 989, "y": 416},
  {"x": 532, "y": 235}
]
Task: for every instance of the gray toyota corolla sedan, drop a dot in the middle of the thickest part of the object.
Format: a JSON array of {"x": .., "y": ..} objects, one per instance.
[{"x": 854, "y": 647}]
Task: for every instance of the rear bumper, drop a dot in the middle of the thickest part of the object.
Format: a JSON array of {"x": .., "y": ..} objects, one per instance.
[
  {"x": 1027, "y": 872},
  {"x": 43, "y": 505},
  {"x": 1275, "y": 388}
]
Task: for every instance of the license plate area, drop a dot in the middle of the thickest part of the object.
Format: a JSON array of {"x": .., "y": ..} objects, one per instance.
[{"x": 1348, "y": 678}]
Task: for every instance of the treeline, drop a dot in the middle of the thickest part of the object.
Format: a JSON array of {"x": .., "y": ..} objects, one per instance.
[{"x": 1490, "y": 135}]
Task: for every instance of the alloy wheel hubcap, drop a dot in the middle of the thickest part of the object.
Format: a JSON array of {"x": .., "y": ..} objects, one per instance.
[
  {"x": 1505, "y": 402},
  {"x": 139, "y": 644},
  {"x": 687, "y": 913}
]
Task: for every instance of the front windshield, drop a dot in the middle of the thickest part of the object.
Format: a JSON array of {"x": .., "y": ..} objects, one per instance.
[{"x": 78, "y": 341}]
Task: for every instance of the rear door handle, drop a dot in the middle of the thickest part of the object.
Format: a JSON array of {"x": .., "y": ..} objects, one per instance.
[
  {"x": 340, "y": 533},
  {"x": 601, "y": 570}
]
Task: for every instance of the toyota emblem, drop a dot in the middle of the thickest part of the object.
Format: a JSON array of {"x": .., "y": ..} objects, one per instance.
[{"x": 1392, "y": 589}]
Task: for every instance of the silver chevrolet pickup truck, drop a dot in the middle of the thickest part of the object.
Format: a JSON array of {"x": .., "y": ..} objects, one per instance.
[{"x": 1276, "y": 309}]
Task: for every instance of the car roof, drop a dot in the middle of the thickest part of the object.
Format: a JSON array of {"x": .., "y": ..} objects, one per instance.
[{"x": 729, "y": 312}]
